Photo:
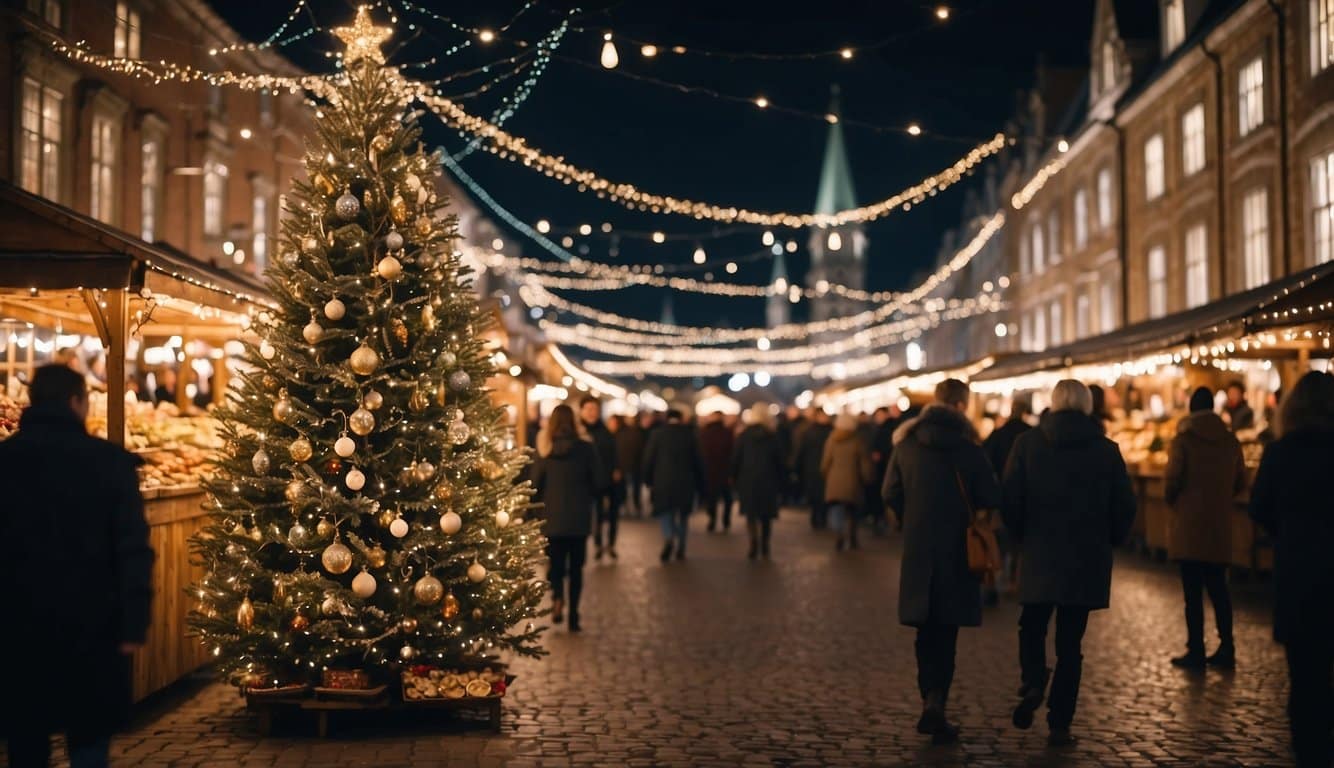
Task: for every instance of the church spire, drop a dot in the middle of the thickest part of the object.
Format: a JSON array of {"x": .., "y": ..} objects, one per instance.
[
  {"x": 668, "y": 314},
  {"x": 836, "y": 192},
  {"x": 780, "y": 269}
]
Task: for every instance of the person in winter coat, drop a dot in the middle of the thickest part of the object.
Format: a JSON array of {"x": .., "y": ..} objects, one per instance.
[
  {"x": 1238, "y": 411},
  {"x": 675, "y": 475},
  {"x": 938, "y": 478},
  {"x": 1068, "y": 503},
  {"x": 608, "y": 512},
  {"x": 810, "y": 454},
  {"x": 757, "y": 470},
  {"x": 715, "y": 450},
  {"x": 1001, "y": 440},
  {"x": 77, "y": 571},
  {"x": 629, "y": 453},
  {"x": 1205, "y": 472},
  {"x": 1290, "y": 500},
  {"x": 566, "y": 483},
  {"x": 845, "y": 468}
]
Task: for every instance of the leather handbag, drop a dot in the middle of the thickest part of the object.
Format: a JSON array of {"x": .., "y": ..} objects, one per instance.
[{"x": 979, "y": 540}]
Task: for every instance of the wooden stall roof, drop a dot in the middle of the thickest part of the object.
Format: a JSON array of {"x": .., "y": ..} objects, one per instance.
[{"x": 1311, "y": 301}]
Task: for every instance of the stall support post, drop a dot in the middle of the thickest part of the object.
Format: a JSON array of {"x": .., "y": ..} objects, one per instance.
[
  {"x": 118, "y": 329},
  {"x": 221, "y": 378},
  {"x": 184, "y": 375}
]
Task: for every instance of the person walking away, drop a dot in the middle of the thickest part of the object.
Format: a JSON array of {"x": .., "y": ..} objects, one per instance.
[
  {"x": 566, "y": 483},
  {"x": 757, "y": 470},
  {"x": 998, "y": 446},
  {"x": 938, "y": 477},
  {"x": 1067, "y": 502},
  {"x": 590, "y": 413},
  {"x": 1205, "y": 472},
  {"x": 881, "y": 446},
  {"x": 791, "y": 424},
  {"x": 845, "y": 469},
  {"x": 715, "y": 450},
  {"x": 1290, "y": 500},
  {"x": 629, "y": 454},
  {"x": 1236, "y": 409},
  {"x": 810, "y": 454},
  {"x": 674, "y": 474},
  {"x": 78, "y": 572}
]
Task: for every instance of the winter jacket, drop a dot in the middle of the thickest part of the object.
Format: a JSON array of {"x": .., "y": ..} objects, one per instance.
[
  {"x": 605, "y": 445},
  {"x": 1001, "y": 441},
  {"x": 715, "y": 450},
  {"x": 672, "y": 467},
  {"x": 1241, "y": 417},
  {"x": 1068, "y": 502},
  {"x": 846, "y": 468},
  {"x": 1205, "y": 472},
  {"x": 77, "y": 572},
  {"x": 629, "y": 448},
  {"x": 936, "y": 461},
  {"x": 566, "y": 482},
  {"x": 810, "y": 454},
  {"x": 1291, "y": 500},
  {"x": 757, "y": 472}
]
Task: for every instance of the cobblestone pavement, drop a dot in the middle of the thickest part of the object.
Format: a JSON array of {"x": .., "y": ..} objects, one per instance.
[{"x": 798, "y": 662}]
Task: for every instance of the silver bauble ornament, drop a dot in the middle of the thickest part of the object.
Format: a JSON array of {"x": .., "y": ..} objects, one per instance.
[
  {"x": 418, "y": 401},
  {"x": 426, "y": 260},
  {"x": 361, "y": 421},
  {"x": 260, "y": 462},
  {"x": 389, "y": 268},
  {"x": 347, "y": 206},
  {"x": 372, "y": 400},
  {"x": 266, "y": 350},
  {"x": 451, "y": 523},
  {"x": 363, "y": 584},
  {"x": 356, "y": 479},
  {"x": 447, "y": 358},
  {"x": 335, "y": 309},
  {"x": 428, "y": 590},
  {"x": 393, "y": 241},
  {"x": 283, "y": 410},
  {"x": 502, "y": 519},
  {"x": 288, "y": 258},
  {"x": 300, "y": 449},
  {"x": 295, "y": 490},
  {"x": 476, "y": 572},
  {"x": 336, "y": 558},
  {"x": 345, "y": 446},
  {"x": 459, "y": 432},
  {"x": 330, "y": 606},
  {"x": 459, "y": 380},
  {"x": 399, "y": 528},
  {"x": 364, "y": 360},
  {"x": 324, "y": 528}
]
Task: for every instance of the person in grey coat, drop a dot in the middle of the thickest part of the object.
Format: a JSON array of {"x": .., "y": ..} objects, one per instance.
[
  {"x": 566, "y": 480},
  {"x": 674, "y": 473},
  {"x": 938, "y": 478},
  {"x": 757, "y": 474},
  {"x": 1067, "y": 501}
]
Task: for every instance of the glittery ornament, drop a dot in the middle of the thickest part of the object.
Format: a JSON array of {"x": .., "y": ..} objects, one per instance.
[
  {"x": 288, "y": 258},
  {"x": 310, "y": 245},
  {"x": 408, "y": 624},
  {"x": 490, "y": 470},
  {"x": 476, "y": 572},
  {"x": 245, "y": 615},
  {"x": 377, "y": 557},
  {"x": 398, "y": 209},
  {"x": 460, "y": 380},
  {"x": 330, "y": 606},
  {"x": 423, "y": 471},
  {"x": 363, "y": 584},
  {"x": 266, "y": 350},
  {"x": 502, "y": 519},
  {"x": 345, "y": 446},
  {"x": 412, "y": 182},
  {"x": 297, "y": 533},
  {"x": 364, "y": 360},
  {"x": 428, "y": 317},
  {"x": 298, "y": 622},
  {"x": 451, "y": 607},
  {"x": 260, "y": 462},
  {"x": 355, "y": 480},
  {"x": 447, "y": 359},
  {"x": 399, "y": 330},
  {"x": 361, "y": 421},
  {"x": 394, "y": 240},
  {"x": 295, "y": 490},
  {"x": 372, "y": 400},
  {"x": 347, "y": 207},
  {"x": 423, "y": 225},
  {"x": 387, "y": 518},
  {"x": 418, "y": 401},
  {"x": 335, "y": 309},
  {"x": 269, "y": 383},
  {"x": 389, "y": 268},
  {"x": 324, "y": 528},
  {"x": 333, "y": 466},
  {"x": 424, "y": 196},
  {"x": 406, "y": 652},
  {"x": 283, "y": 410},
  {"x": 233, "y": 550},
  {"x": 428, "y": 590},
  {"x": 300, "y": 449},
  {"x": 443, "y": 492},
  {"x": 399, "y": 528},
  {"x": 451, "y": 523},
  {"x": 336, "y": 558},
  {"x": 368, "y": 199},
  {"x": 459, "y": 432},
  {"x": 323, "y": 184},
  {"x": 425, "y": 260}
]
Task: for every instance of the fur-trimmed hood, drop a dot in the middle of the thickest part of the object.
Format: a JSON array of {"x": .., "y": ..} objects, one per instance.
[{"x": 938, "y": 426}]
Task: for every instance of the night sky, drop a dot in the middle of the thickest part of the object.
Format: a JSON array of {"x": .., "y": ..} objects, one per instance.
[{"x": 958, "y": 79}]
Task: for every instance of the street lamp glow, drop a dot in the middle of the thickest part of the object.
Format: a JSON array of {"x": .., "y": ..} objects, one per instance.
[
  {"x": 761, "y": 102},
  {"x": 738, "y": 382},
  {"x": 486, "y": 36},
  {"x": 497, "y": 244},
  {"x": 835, "y": 241},
  {"x": 762, "y": 344},
  {"x": 846, "y": 53},
  {"x": 942, "y": 13},
  {"x": 1062, "y": 146},
  {"x": 731, "y": 267},
  {"x": 914, "y": 129},
  {"x": 648, "y": 51},
  {"x": 767, "y": 238},
  {"x": 543, "y": 226},
  {"x": 1002, "y": 330},
  {"x": 659, "y": 237},
  {"x": 791, "y": 246},
  {"x": 762, "y": 378},
  {"x": 700, "y": 255},
  {"x": 585, "y": 229}
]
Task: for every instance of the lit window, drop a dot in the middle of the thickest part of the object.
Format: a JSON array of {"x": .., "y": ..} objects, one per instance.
[
  {"x": 1039, "y": 254},
  {"x": 1106, "y": 306},
  {"x": 1056, "y": 337},
  {"x": 1197, "y": 266},
  {"x": 40, "y": 139},
  {"x": 1322, "y": 207},
  {"x": 1251, "y": 96},
  {"x": 1154, "y": 182},
  {"x": 1081, "y": 219},
  {"x": 1039, "y": 329},
  {"x": 1054, "y": 236},
  {"x": 1192, "y": 140},
  {"x": 102, "y": 195},
  {"x": 1322, "y": 34},
  {"x": 1174, "y": 24},
  {"x": 1083, "y": 315},
  {"x": 49, "y": 10},
  {"x": 1157, "y": 281},
  {"x": 215, "y": 193},
  {"x": 150, "y": 189},
  {"x": 127, "y": 32},
  {"x": 1105, "y": 198},
  {"x": 1255, "y": 236},
  {"x": 259, "y": 226}
]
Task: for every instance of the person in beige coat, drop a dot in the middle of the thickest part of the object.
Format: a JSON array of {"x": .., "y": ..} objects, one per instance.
[
  {"x": 846, "y": 469},
  {"x": 1205, "y": 472}
]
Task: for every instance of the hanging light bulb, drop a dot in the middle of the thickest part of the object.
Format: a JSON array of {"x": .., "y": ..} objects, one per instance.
[
  {"x": 700, "y": 255},
  {"x": 486, "y": 36},
  {"x": 659, "y": 237},
  {"x": 761, "y": 102},
  {"x": 648, "y": 51},
  {"x": 609, "y": 57},
  {"x": 846, "y": 53},
  {"x": 835, "y": 241},
  {"x": 767, "y": 238},
  {"x": 914, "y": 129},
  {"x": 543, "y": 226}
]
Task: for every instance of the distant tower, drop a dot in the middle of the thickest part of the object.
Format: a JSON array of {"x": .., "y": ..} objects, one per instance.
[
  {"x": 668, "y": 315},
  {"x": 779, "y": 309},
  {"x": 838, "y": 254}
]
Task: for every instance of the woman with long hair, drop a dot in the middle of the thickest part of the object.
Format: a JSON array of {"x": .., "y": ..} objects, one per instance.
[
  {"x": 1291, "y": 500},
  {"x": 566, "y": 481}
]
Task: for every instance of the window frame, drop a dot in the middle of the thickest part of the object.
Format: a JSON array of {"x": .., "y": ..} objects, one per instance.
[
  {"x": 1106, "y": 306},
  {"x": 1054, "y": 255},
  {"x": 1174, "y": 25},
  {"x": 1256, "y": 265},
  {"x": 1056, "y": 322},
  {"x": 50, "y": 11},
  {"x": 214, "y": 200},
  {"x": 1155, "y": 174},
  {"x": 1081, "y": 217},
  {"x": 1105, "y": 209},
  {"x": 1321, "y": 41},
  {"x": 46, "y": 139},
  {"x": 1251, "y": 96},
  {"x": 1195, "y": 247},
  {"x": 1039, "y": 256},
  {"x": 1155, "y": 298},
  {"x": 1322, "y": 208},
  {"x": 128, "y": 35},
  {"x": 104, "y": 156},
  {"x": 1194, "y": 156}
]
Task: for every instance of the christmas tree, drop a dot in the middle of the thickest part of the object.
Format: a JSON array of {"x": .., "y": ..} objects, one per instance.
[{"x": 366, "y": 510}]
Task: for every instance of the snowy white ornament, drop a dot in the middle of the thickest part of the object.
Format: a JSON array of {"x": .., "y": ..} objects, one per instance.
[
  {"x": 347, "y": 207},
  {"x": 260, "y": 462},
  {"x": 335, "y": 309},
  {"x": 476, "y": 571},
  {"x": 336, "y": 558},
  {"x": 412, "y": 182},
  {"x": 502, "y": 519},
  {"x": 345, "y": 446},
  {"x": 399, "y": 528},
  {"x": 356, "y": 479},
  {"x": 393, "y": 241},
  {"x": 451, "y": 523},
  {"x": 363, "y": 584},
  {"x": 266, "y": 350},
  {"x": 330, "y": 606},
  {"x": 313, "y": 332},
  {"x": 389, "y": 268}
]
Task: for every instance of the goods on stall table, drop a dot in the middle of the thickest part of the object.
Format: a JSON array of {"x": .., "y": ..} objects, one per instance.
[
  {"x": 10, "y": 410},
  {"x": 426, "y": 682}
]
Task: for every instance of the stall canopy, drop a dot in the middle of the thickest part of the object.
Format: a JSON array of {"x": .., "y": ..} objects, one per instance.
[
  {"x": 1229, "y": 317},
  {"x": 1311, "y": 301}
]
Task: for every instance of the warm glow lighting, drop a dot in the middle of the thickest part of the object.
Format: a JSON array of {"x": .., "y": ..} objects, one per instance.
[
  {"x": 731, "y": 267},
  {"x": 245, "y": 133},
  {"x": 486, "y": 36},
  {"x": 649, "y": 51},
  {"x": 498, "y": 244},
  {"x": 609, "y": 56},
  {"x": 914, "y": 130},
  {"x": 700, "y": 255},
  {"x": 585, "y": 229},
  {"x": 762, "y": 344},
  {"x": 762, "y": 378},
  {"x": 942, "y": 13},
  {"x": 228, "y": 247},
  {"x": 835, "y": 241},
  {"x": 831, "y": 118},
  {"x": 1002, "y": 330},
  {"x": 659, "y": 237},
  {"x": 791, "y": 246},
  {"x": 1062, "y": 146},
  {"x": 767, "y": 238},
  {"x": 846, "y": 53},
  {"x": 761, "y": 102},
  {"x": 543, "y": 226}
]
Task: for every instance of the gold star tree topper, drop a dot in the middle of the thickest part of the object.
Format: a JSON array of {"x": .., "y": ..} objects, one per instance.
[{"x": 363, "y": 38}]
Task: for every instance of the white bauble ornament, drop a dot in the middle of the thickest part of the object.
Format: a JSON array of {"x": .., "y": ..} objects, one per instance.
[
  {"x": 330, "y": 606},
  {"x": 364, "y": 360},
  {"x": 393, "y": 241},
  {"x": 266, "y": 350},
  {"x": 347, "y": 207},
  {"x": 363, "y": 584},
  {"x": 399, "y": 528},
  {"x": 335, "y": 309},
  {"x": 261, "y": 462},
  {"x": 295, "y": 490},
  {"x": 389, "y": 268},
  {"x": 372, "y": 400},
  {"x": 476, "y": 572},
  {"x": 355, "y": 480},
  {"x": 502, "y": 519},
  {"x": 361, "y": 421},
  {"x": 451, "y": 523},
  {"x": 345, "y": 446},
  {"x": 412, "y": 182},
  {"x": 313, "y": 332},
  {"x": 336, "y": 558},
  {"x": 428, "y": 590}
]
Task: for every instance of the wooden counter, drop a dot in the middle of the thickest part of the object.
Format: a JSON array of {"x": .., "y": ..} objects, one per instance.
[{"x": 174, "y": 515}]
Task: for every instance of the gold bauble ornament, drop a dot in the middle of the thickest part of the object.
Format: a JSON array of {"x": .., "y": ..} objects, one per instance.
[
  {"x": 323, "y": 184},
  {"x": 398, "y": 209},
  {"x": 373, "y": 400},
  {"x": 324, "y": 528},
  {"x": 279, "y": 589},
  {"x": 399, "y": 330},
  {"x": 298, "y": 622},
  {"x": 477, "y": 614},
  {"x": 380, "y": 143},
  {"x": 451, "y": 607},
  {"x": 387, "y": 518},
  {"x": 408, "y": 624},
  {"x": 283, "y": 410},
  {"x": 336, "y": 558},
  {"x": 367, "y": 199},
  {"x": 245, "y": 615},
  {"x": 428, "y": 317},
  {"x": 428, "y": 590},
  {"x": 423, "y": 471},
  {"x": 490, "y": 470},
  {"x": 364, "y": 360},
  {"x": 269, "y": 382},
  {"x": 377, "y": 557},
  {"x": 300, "y": 449},
  {"x": 444, "y": 492},
  {"x": 361, "y": 421},
  {"x": 412, "y": 182},
  {"x": 295, "y": 490},
  {"x": 418, "y": 401},
  {"x": 502, "y": 519},
  {"x": 310, "y": 245},
  {"x": 363, "y": 584},
  {"x": 476, "y": 571},
  {"x": 423, "y": 225},
  {"x": 406, "y": 652},
  {"x": 389, "y": 268}
]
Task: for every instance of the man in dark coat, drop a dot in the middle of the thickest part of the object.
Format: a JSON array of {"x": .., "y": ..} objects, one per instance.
[
  {"x": 1068, "y": 503},
  {"x": 1001, "y": 441},
  {"x": 675, "y": 475},
  {"x": 790, "y": 426},
  {"x": 715, "y": 450},
  {"x": 77, "y": 571},
  {"x": 938, "y": 478},
  {"x": 757, "y": 469},
  {"x": 1239, "y": 413},
  {"x": 881, "y": 445},
  {"x": 810, "y": 452},
  {"x": 590, "y": 412},
  {"x": 629, "y": 454}
]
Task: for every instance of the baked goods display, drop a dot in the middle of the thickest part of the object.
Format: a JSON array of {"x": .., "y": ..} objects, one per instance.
[
  {"x": 10, "y": 411},
  {"x": 425, "y": 682}
]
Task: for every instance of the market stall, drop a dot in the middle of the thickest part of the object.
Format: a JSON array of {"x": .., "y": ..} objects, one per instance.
[{"x": 153, "y": 331}]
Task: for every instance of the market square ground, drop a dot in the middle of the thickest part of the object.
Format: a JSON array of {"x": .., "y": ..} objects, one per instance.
[{"x": 718, "y": 661}]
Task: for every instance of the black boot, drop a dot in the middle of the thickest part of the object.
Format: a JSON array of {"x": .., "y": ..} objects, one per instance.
[
  {"x": 1030, "y": 698},
  {"x": 666, "y": 552},
  {"x": 1193, "y": 660},
  {"x": 754, "y": 549},
  {"x": 1223, "y": 658},
  {"x": 934, "y": 723}
]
